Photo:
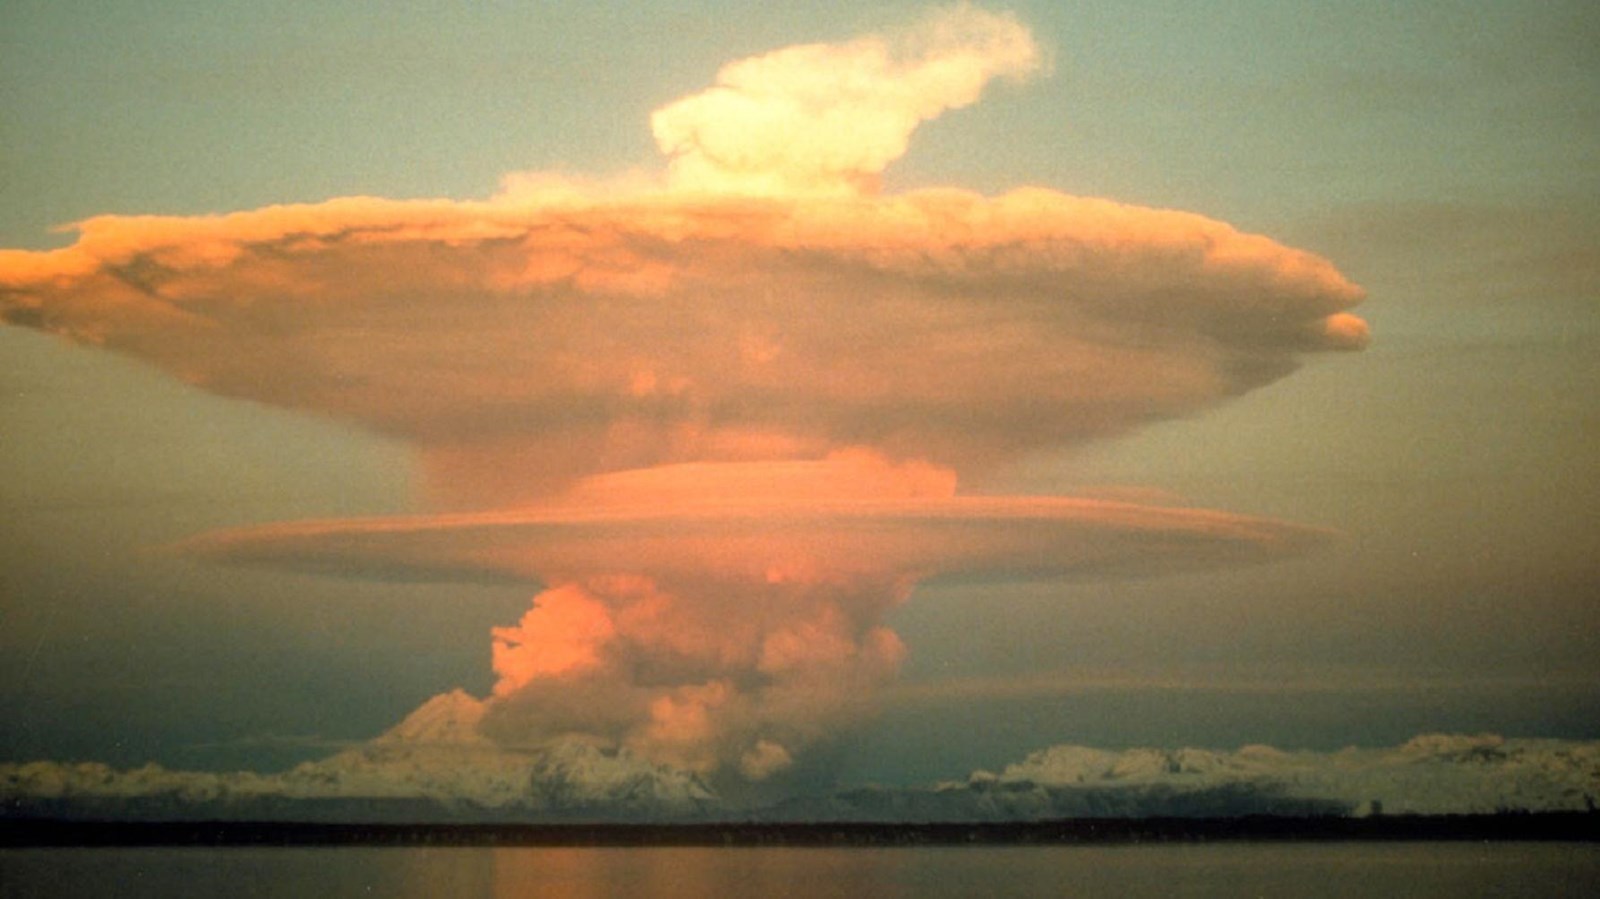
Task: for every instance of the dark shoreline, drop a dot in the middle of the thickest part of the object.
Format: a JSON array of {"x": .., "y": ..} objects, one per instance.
[{"x": 1540, "y": 826}]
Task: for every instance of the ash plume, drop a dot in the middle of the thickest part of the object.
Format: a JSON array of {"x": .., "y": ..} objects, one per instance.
[{"x": 722, "y": 416}]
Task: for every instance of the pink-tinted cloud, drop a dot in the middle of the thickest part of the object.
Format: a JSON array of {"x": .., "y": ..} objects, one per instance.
[
  {"x": 521, "y": 347},
  {"x": 728, "y": 616},
  {"x": 721, "y": 414},
  {"x": 684, "y": 522}
]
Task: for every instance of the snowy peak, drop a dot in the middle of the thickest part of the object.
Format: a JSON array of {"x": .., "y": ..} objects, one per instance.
[{"x": 449, "y": 719}]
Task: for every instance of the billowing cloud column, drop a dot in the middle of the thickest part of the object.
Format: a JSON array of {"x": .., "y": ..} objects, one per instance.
[{"x": 729, "y": 615}]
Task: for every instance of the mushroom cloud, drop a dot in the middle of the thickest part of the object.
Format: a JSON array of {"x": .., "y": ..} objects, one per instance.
[{"x": 721, "y": 416}]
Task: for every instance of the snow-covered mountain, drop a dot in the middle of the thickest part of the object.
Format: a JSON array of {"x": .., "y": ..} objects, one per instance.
[
  {"x": 435, "y": 765},
  {"x": 1431, "y": 774},
  {"x": 447, "y": 719}
]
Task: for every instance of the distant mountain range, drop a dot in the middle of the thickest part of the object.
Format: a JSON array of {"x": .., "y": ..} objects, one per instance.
[
  {"x": 1429, "y": 775},
  {"x": 435, "y": 766}
]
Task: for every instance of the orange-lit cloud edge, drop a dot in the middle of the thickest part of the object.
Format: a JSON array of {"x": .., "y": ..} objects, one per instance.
[
  {"x": 768, "y": 538},
  {"x": 721, "y": 415}
]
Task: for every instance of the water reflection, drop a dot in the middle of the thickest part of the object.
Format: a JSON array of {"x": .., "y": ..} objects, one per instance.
[
  {"x": 673, "y": 872},
  {"x": 1303, "y": 869},
  {"x": 1343, "y": 870}
]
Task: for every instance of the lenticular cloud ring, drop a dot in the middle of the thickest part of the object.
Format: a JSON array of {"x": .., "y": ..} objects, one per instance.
[{"x": 768, "y": 539}]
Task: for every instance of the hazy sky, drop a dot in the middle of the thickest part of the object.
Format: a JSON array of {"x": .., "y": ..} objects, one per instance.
[{"x": 1443, "y": 156}]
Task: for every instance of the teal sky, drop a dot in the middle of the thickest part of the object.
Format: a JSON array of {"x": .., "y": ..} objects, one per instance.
[{"x": 1445, "y": 156}]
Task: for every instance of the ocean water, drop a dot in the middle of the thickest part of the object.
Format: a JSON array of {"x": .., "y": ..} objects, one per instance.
[{"x": 1231, "y": 869}]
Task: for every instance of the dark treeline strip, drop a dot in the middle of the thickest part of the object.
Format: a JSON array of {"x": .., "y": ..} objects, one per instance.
[{"x": 1544, "y": 826}]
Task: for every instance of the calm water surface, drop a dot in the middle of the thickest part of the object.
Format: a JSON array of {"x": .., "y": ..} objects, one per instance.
[{"x": 1244, "y": 869}]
